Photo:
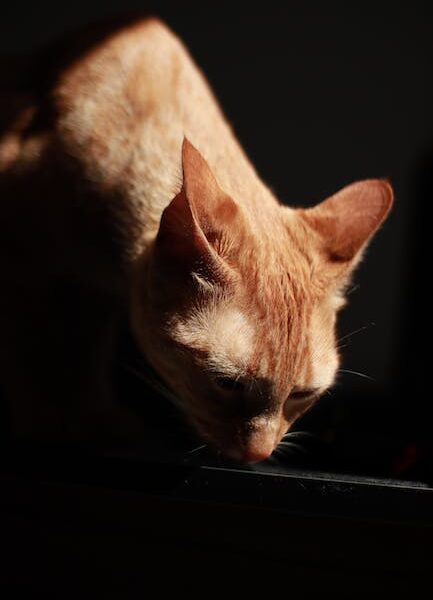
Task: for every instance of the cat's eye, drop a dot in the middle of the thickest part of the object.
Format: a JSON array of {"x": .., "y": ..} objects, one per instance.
[
  {"x": 303, "y": 394},
  {"x": 229, "y": 384}
]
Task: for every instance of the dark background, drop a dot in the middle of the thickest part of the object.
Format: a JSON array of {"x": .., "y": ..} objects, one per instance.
[{"x": 320, "y": 95}]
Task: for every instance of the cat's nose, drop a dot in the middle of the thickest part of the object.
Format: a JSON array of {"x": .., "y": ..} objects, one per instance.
[
  {"x": 259, "y": 441},
  {"x": 254, "y": 455}
]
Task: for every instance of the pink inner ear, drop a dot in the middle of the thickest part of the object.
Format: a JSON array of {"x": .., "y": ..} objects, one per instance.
[
  {"x": 180, "y": 239},
  {"x": 347, "y": 220},
  {"x": 198, "y": 178},
  {"x": 197, "y": 219},
  {"x": 213, "y": 209}
]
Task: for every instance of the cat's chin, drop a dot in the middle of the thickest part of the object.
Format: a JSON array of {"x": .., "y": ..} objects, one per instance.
[{"x": 249, "y": 455}]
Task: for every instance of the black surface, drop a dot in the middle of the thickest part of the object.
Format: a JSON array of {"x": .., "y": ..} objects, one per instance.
[
  {"x": 273, "y": 487},
  {"x": 73, "y": 524}
]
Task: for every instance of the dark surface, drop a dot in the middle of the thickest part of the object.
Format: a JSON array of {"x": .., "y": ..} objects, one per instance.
[
  {"x": 292, "y": 490},
  {"x": 79, "y": 522}
]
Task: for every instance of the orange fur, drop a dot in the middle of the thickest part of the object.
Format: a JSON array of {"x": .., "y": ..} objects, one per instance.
[{"x": 123, "y": 187}]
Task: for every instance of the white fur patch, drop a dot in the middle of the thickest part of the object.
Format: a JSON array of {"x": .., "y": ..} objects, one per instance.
[
  {"x": 323, "y": 361},
  {"x": 223, "y": 332},
  {"x": 324, "y": 370}
]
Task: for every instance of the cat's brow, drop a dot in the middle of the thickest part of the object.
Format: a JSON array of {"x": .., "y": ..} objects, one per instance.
[
  {"x": 204, "y": 285},
  {"x": 220, "y": 364}
]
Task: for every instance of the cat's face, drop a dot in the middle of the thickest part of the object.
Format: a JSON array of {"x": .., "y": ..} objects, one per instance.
[{"x": 237, "y": 313}]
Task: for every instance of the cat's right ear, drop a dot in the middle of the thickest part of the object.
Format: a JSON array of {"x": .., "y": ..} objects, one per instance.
[
  {"x": 180, "y": 244},
  {"x": 198, "y": 223}
]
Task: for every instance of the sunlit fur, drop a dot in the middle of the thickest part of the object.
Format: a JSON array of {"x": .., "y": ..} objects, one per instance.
[
  {"x": 270, "y": 324},
  {"x": 136, "y": 190}
]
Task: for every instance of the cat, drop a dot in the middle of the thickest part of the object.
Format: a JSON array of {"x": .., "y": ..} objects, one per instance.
[{"x": 126, "y": 196}]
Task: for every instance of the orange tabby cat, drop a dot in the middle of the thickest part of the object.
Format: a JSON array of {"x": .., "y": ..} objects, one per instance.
[{"x": 124, "y": 191}]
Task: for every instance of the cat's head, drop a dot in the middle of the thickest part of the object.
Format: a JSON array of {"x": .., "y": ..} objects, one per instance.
[{"x": 236, "y": 309}]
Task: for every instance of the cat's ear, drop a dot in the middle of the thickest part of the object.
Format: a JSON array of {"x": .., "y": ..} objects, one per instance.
[
  {"x": 346, "y": 221},
  {"x": 197, "y": 227}
]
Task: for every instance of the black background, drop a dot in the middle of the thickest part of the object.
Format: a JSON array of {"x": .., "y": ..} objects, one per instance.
[{"x": 320, "y": 95}]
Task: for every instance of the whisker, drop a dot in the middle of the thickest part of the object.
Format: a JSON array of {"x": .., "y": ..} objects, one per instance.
[
  {"x": 292, "y": 446},
  {"x": 356, "y": 373},
  {"x": 352, "y": 289},
  {"x": 352, "y": 333},
  {"x": 298, "y": 434},
  {"x": 278, "y": 452},
  {"x": 340, "y": 346},
  {"x": 197, "y": 449},
  {"x": 283, "y": 445}
]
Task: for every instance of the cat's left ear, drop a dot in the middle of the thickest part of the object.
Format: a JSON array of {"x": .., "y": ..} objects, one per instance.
[{"x": 345, "y": 222}]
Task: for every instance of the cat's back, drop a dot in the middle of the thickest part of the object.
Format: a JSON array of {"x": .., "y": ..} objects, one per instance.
[
  {"x": 109, "y": 107},
  {"x": 97, "y": 135},
  {"x": 69, "y": 128},
  {"x": 125, "y": 108},
  {"x": 90, "y": 94}
]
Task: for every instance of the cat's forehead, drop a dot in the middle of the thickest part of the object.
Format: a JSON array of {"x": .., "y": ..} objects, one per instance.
[
  {"x": 221, "y": 330},
  {"x": 264, "y": 330}
]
